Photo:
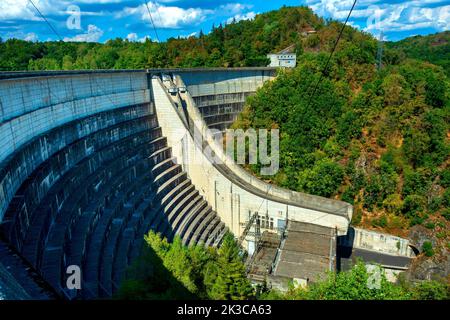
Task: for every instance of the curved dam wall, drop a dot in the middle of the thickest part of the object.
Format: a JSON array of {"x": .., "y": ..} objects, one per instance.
[
  {"x": 91, "y": 161},
  {"x": 85, "y": 172},
  {"x": 234, "y": 193},
  {"x": 220, "y": 95}
]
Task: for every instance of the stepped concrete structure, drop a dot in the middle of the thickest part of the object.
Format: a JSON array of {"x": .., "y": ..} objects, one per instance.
[{"x": 91, "y": 161}]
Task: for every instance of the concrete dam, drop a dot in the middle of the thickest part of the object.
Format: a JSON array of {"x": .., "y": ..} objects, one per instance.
[{"x": 91, "y": 161}]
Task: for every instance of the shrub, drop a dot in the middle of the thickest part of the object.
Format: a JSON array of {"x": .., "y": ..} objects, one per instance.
[
  {"x": 380, "y": 222},
  {"x": 435, "y": 204},
  {"x": 357, "y": 217},
  {"x": 430, "y": 225},
  {"x": 431, "y": 290},
  {"x": 349, "y": 127},
  {"x": 323, "y": 179},
  {"x": 441, "y": 235},
  {"x": 378, "y": 188},
  {"x": 427, "y": 248},
  {"x": 446, "y": 198},
  {"x": 445, "y": 178},
  {"x": 416, "y": 182},
  {"x": 349, "y": 195},
  {"x": 413, "y": 205},
  {"x": 393, "y": 203},
  {"x": 446, "y": 214}
]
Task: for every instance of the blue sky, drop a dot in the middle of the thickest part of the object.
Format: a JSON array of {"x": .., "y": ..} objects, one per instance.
[{"x": 100, "y": 20}]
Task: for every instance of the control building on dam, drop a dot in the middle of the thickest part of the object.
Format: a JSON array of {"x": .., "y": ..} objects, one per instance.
[{"x": 90, "y": 161}]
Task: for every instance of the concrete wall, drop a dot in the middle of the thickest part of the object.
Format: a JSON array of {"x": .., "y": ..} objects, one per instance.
[
  {"x": 30, "y": 107},
  {"x": 70, "y": 145},
  {"x": 234, "y": 193},
  {"x": 377, "y": 242},
  {"x": 220, "y": 95},
  {"x": 86, "y": 169}
]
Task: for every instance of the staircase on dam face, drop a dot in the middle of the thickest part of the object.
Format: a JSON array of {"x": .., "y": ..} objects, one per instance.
[{"x": 90, "y": 189}]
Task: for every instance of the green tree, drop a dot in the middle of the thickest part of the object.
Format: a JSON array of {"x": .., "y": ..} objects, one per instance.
[
  {"x": 323, "y": 179},
  {"x": 351, "y": 285},
  {"x": 431, "y": 290},
  {"x": 231, "y": 282}
]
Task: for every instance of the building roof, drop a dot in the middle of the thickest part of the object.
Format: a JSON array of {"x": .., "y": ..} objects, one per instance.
[{"x": 307, "y": 252}]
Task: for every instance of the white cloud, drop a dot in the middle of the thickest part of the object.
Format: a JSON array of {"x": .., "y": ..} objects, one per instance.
[
  {"x": 93, "y": 34},
  {"x": 17, "y": 9},
  {"x": 168, "y": 17},
  {"x": 186, "y": 36},
  {"x": 233, "y": 8},
  {"x": 133, "y": 37},
  {"x": 239, "y": 17},
  {"x": 24, "y": 10},
  {"x": 19, "y": 34},
  {"x": 400, "y": 16},
  {"x": 31, "y": 37}
]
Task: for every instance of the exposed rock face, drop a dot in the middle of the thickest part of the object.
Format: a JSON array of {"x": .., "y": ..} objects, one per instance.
[
  {"x": 428, "y": 268},
  {"x": 419, "y": 234}
]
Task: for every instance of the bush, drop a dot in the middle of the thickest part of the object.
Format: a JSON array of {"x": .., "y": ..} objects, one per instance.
[
  {"x": 349, "y": 195},
  {"x": 416, "y": 182},
  {"x": 393, "y": 203},
  {"x": 349, "y": 127},
  {"x": 415, "y": 145},
  {"x": 431, "y": 290},
  {"x": 446, "y": 198},
  {"x": 434, "y": 204},
  {"x": 380, "y": 222},
  {"x": 445, "y": 178},
  {"x": 323, "y": 179},
  {"x": 446, "y": 214},
  {"x": 413, "y": 205},
  {"x": 379, "y": 187},
  {"x": 427, "y": 248},
  {"x": 430, "y": 225},
  {"x": 357, "y": 217}
]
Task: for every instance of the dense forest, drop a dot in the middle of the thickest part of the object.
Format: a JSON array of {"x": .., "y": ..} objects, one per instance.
[
  {"x": 173, "y": 271},
  {"x": 245, "y": 43},
  {"x": 375, "y": 137},
  {"x": 433, "y": 48}
]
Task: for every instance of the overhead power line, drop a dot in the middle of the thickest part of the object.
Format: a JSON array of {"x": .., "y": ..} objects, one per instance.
[
  {"x": 151, "y": 20},
  {"x": 45, "y": 19},
  {"x": 331, "y": 54}
]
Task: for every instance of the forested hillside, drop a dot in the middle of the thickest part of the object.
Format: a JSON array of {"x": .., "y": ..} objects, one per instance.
[
  {"x": 433, "y": 48},
  {"x": 376, "y": 138},
  {"x": 245, "y": 43}
]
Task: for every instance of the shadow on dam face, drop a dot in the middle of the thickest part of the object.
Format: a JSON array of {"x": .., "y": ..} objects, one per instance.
[
  {"x": 106, "y": 195},
  {"x": 85, "y": 173},
  {"x": 148, "y": 279}
]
